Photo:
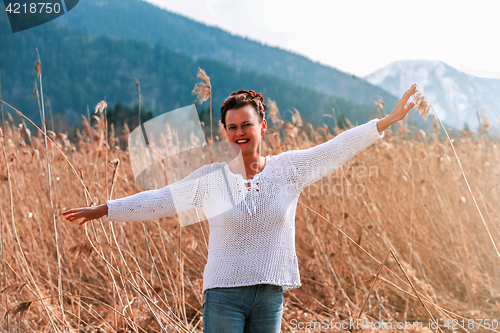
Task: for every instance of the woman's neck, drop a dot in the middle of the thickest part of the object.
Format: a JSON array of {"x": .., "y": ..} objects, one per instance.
[{"x": 247, "y": 165}]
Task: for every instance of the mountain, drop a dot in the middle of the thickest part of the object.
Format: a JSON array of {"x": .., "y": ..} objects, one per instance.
[
  {"x": 453, "y": 94},
  {"x": 142, "y": 21},
  {"x": 80, "y": 70}
]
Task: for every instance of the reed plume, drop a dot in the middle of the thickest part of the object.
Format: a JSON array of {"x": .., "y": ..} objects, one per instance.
[
  {"x": 20, "y": 310},
  {"x": 99, "y": 108},
  {"x": 421, "y": 104},
  {"x": 203, "y": 91},
  {"x": 82, "y": 249},
  {"x": 13, "y": 288},
  {"x": 274, "y": 113}
]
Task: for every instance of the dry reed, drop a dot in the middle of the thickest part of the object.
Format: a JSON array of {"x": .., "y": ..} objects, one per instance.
[
  {"x": 203, "y": 91},
  {"x": 415, "y": 203}
]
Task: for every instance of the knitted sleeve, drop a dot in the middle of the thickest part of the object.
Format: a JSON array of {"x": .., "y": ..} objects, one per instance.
[
  {"x": 186, "y": 194},
  {"x": 310, "y": 165}
]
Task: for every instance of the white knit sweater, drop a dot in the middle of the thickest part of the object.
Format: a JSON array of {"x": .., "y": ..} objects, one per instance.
[{"x": 252, "y": 229}]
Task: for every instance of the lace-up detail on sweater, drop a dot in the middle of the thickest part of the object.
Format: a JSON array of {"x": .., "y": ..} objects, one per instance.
[
  {"x": 252, "y": 229},
  {"x": 252, "y": 191}
]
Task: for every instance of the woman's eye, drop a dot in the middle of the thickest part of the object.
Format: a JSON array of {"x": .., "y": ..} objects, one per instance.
[{"x": 232, "y": 127}]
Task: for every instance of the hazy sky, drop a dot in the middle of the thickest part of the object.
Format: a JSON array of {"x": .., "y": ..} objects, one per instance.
[{"x": 362, "y": 36}]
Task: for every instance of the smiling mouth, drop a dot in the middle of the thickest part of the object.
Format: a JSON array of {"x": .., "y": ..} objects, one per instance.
[{"x": 242, "y": 142}]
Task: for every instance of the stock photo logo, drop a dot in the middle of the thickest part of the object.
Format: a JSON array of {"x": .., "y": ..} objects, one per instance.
[
  {"x": 24, "y": 14},
  {"x": 168, "y": 148}
]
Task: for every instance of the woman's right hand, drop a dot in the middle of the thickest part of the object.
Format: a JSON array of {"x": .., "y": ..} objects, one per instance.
[{"x": 87, "y": 213}]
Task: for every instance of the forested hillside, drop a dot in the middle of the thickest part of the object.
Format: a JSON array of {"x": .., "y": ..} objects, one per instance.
[
  {"x": 140, "y": 20},
  {"x": 80, "y": 70}
]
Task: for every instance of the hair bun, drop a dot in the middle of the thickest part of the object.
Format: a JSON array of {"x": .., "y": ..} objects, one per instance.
[
  {"x": 252, "y": 95},
  {"x": 244, "y": 97}
]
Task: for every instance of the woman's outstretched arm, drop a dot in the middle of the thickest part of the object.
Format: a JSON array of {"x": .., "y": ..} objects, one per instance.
[
  {"x": 311, "y": 164},
  {"x": 170, "y": 200}
]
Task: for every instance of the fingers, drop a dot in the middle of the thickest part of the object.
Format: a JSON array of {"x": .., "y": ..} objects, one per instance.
[
  {"x": 407, "y": 95},
  {"x": 70, "y": 211},
  {"x": 72, "y": 217},
  {"x": 79, "y": 213},
  {"x": 73, "y": 211},
  {"x": 403, "y": 107},
  {"x": 73, "y": 214},
  {"x": 410, "y": 91},
  {"x": 408, "y": 108}
]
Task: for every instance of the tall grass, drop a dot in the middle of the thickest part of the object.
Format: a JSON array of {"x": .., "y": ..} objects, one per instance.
[{"x": 144, "y": 277}]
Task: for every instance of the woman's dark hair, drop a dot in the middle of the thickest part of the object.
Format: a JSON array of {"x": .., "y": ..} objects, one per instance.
[{"x": 240, "y": 99}]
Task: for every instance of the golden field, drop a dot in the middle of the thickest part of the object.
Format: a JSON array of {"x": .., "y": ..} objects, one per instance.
[{"x": 406, "y": 192}]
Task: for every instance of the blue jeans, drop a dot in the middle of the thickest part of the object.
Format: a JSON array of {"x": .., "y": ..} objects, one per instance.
[{"x": 246, "y": 309}]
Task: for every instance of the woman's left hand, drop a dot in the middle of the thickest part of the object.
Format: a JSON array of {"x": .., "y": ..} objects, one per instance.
[
  {"x": 87, "y": 213},
  {"x": 402, "y": 108}
]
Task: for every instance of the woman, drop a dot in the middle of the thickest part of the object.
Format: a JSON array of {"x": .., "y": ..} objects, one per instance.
[{"x": 250, "y": 205}]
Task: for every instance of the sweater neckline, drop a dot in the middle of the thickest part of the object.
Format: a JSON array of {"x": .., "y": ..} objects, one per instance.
[{"x": 247, "y": 180}]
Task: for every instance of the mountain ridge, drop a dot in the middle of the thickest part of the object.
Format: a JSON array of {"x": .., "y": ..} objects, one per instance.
[{"x": 453, "y": 94}]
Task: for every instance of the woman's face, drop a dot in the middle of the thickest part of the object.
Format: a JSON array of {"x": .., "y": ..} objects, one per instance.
[{"x": 243, "y": 124}]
